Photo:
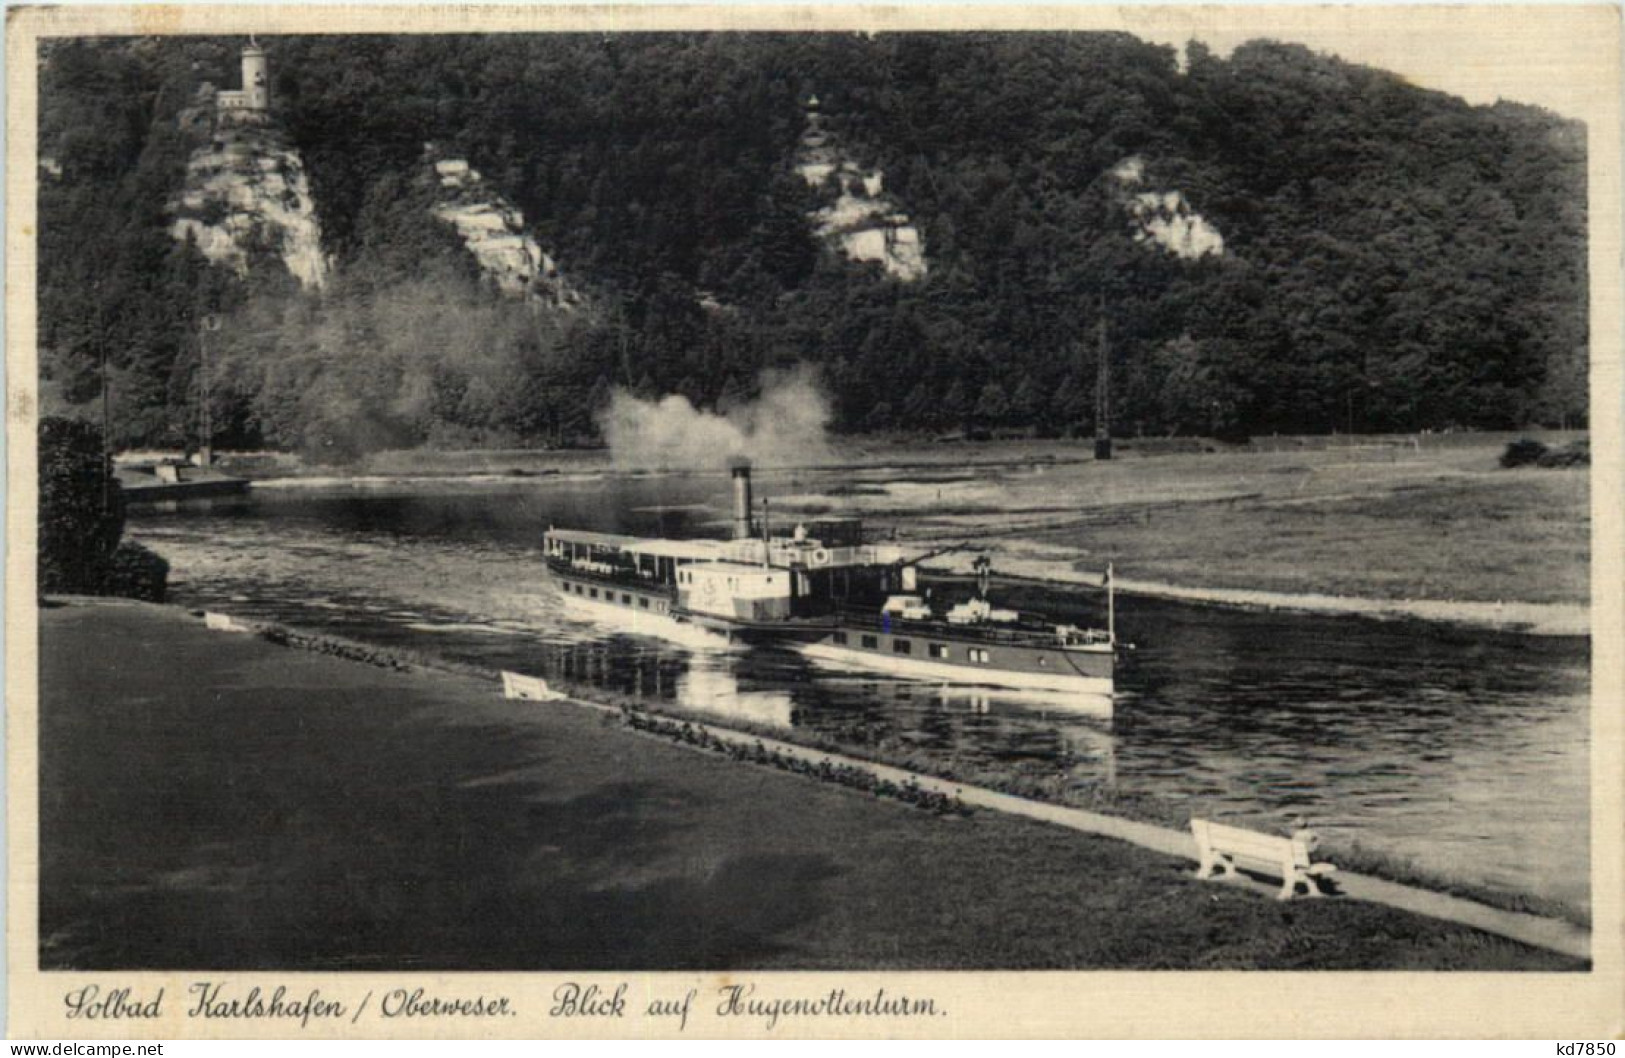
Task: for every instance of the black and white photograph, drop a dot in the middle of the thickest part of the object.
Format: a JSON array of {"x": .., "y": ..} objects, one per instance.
[{"x": 705, "y": 518}]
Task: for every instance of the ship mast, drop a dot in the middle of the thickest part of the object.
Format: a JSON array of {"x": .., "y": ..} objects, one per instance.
[
  {"x": 1111, "y": 605},
  {"x": 767, "y": 545},
  {"x": 107, "y": 406}
]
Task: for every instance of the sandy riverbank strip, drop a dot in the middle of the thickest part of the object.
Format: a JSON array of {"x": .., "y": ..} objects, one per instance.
[
  {"x": 1524, "y": 618},
  {"x": 201, "y": 791},
  {"x": 1527, "y": 618}
]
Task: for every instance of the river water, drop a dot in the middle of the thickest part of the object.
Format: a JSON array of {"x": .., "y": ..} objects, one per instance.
[{"x": 1466, "y": 752}]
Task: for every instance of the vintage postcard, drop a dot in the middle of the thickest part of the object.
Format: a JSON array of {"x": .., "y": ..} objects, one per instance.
[{"x": 813, "y": 522}]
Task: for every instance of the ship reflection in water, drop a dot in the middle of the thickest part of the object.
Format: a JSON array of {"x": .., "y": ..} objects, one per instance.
[
  {"x": 1467, "y": 752},
  {"x": 774, "y": 690},
  {"x": 709, "y": 685}
]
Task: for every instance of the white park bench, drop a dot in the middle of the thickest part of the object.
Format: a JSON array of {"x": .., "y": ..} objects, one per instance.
[
  {"x": 220, "y": 622},
  {"x": 528, "y": 688},
  {"x": 1224, "y": 849}
]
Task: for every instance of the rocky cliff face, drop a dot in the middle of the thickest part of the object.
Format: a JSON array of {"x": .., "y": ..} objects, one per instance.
[
  {"x": 864, "y": 223},
  {"x": 246, "y": 194},
  {"x": 1164, "y": 218},
  {"x": 494, "y": 232}
]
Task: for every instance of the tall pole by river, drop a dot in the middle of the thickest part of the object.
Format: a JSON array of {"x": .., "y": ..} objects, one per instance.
[
  {"x": 107, "y": 404},
  {"x": 205, "y": 455},
  {"x": 1103, "y": 390}
]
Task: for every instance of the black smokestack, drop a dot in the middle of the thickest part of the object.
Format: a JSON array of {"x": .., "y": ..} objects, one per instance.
[{"x": 740, "y": 469}]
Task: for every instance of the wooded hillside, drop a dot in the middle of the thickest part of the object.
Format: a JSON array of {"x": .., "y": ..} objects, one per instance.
[{"x": 1394, "y": 259}]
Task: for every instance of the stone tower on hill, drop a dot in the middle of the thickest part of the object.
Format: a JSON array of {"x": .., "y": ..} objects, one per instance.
[
  {"x": 255, "y": 96},
  {"x": 246, "y": 190}
]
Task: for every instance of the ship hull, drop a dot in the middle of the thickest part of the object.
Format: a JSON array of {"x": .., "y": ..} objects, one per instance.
[
  {"x": 652, "y": 600},
  {"x": 635, "y": 610},
  {"x": 147, "y": 489},
  {"x": 789, "y": 629},
  {"x": 1087, "y": 672}
]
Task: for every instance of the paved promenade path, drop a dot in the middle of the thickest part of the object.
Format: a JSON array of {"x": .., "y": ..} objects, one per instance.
[{"x": 211, "y": 799}]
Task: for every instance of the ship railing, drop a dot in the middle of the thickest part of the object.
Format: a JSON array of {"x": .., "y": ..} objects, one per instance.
[
  {"x": 811, "y": 554},
  {"x": 605, "y": 573},
  {"x": 854, "y": 617}
]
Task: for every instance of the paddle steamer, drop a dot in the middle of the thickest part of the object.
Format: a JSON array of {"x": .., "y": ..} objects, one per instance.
[
  {"x": 839, "y": 597},
  {"x": 754, "y": 585}
]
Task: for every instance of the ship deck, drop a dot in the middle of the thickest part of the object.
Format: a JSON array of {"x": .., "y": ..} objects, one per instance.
[{"x": 1016, "y": 636}]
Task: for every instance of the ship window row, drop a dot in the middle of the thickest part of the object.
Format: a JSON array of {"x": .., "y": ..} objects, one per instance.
[
  {"x": 976, "y": 655},
  {"x": 609, "y": 596}
]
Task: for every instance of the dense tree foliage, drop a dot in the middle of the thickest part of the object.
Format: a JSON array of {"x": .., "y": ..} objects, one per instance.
[
  {"x": 81, "y": 518},
  {"x": 1394, "y": 258},
  {"x": 81, "y": 514}
]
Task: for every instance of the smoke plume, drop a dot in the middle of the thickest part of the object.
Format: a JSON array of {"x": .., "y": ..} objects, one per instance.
[{"x": 782, "y": 427}]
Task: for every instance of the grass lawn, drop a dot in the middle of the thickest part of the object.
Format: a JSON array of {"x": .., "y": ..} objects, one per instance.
[{"x": 214, "y": 801}]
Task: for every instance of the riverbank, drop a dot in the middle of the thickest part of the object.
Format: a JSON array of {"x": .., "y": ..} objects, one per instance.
[
  {"x": 1526, "y": 618},
  {"x": 1422, "y": 528},
  {"x": 1042, "y": 778},
  {"x": 1523, "y": 618},
  {"x": 1438, "y": 533},
  {"x": 473, "y": 832},
  {"x": 1374, "y": 729}
]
